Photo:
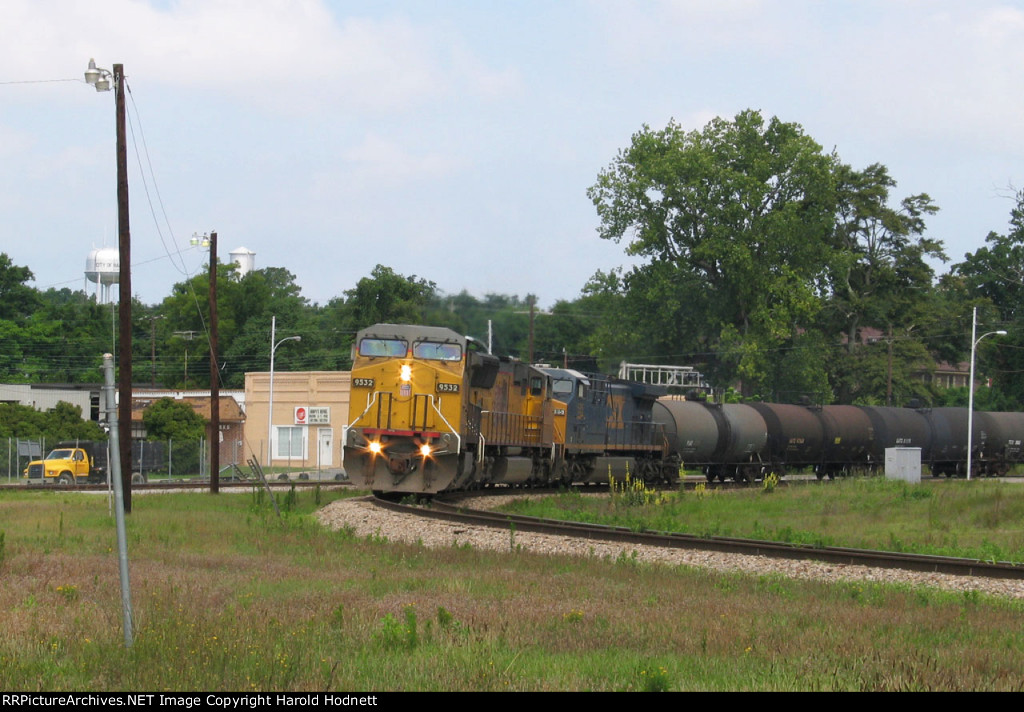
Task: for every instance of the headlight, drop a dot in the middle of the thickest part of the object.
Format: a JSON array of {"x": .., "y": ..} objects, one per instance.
[
  {"x": 425, "y": 450},
  {"x": 375, "y": 448},
  {"x": 406, "y": 373}
]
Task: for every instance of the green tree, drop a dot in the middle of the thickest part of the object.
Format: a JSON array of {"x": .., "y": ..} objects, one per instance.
[
  {"x": 387, "y": 297},
  {"x": 169, "y": 419},
  {"x": 879, "y": 278},
  {"x": 17, "y": 300},
  {"x": 742, "y": 214},
  {"x": 993, "y": 278}
]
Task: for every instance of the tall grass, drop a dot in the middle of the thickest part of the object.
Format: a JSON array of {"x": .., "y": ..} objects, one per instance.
[{"x": 228, "y": 597}]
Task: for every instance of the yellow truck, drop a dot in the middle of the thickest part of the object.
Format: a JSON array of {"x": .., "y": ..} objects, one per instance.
[{"x": 70, "y": 463}]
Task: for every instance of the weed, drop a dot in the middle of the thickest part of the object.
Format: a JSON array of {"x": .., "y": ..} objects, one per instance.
[
  {"x": 68, "y": 592},
  {"x": 411, "y": 636},
  {"x": 769, "y": 483},
  {"x": 654, "y": 679},
  {"x": 632, "y": 492},
  {"x": 573, "y": 616},
  {"x": 444, "y": 617},
  {"x": 627, "y": 560}
]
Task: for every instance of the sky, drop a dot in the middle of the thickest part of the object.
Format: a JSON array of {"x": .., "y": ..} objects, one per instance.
[{"x": 456, "y": 140}]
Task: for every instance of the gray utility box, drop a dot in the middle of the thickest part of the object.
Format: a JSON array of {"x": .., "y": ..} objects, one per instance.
[{"x": 903, "y": 463}]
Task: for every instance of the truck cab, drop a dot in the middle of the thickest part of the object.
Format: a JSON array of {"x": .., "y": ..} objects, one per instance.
[{"x": 69, "y": 463}]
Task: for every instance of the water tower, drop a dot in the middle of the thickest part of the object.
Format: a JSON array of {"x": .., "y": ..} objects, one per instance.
[
  {"x": 102, "y": 267},
  {"x": 245, "y": 259}
]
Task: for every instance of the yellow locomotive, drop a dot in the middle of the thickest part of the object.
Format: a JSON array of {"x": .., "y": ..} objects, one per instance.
[{"x": 430, "y": 412}]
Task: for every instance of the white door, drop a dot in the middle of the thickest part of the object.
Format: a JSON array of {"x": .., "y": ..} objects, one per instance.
[{"x": 325, "y": 458}]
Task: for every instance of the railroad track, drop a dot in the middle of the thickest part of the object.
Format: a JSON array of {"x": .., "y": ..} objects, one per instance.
[{"x": 450, "y": 510}]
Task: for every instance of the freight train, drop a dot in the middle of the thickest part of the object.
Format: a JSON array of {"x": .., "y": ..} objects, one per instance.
[{"x": 431, "y": 411}]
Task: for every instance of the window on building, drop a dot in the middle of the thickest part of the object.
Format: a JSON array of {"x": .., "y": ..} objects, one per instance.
[{"x": 290, "y": 442}]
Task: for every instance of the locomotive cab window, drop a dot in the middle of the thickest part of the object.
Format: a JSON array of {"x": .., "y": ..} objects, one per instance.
[
  {"x": 383, "y": 348},
  {"x": 434, "y": 351},
  {"x": 562, "y": 387},
  {"x": 536, "y": 386}
]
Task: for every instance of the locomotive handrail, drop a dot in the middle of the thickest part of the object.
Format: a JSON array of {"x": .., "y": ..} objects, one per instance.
[
  {"x": 371, "y": 399},
  {"x": 437, "y": 409}
]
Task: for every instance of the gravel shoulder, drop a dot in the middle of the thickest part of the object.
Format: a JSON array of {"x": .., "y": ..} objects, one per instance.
[{"x": 366, "y": 520}]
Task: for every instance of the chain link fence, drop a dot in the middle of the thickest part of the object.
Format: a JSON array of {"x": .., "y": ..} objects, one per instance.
[{"x": 154, "y": 460}]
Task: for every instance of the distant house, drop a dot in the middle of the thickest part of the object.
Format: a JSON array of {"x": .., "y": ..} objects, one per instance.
[{"x": 944, "y": 375}]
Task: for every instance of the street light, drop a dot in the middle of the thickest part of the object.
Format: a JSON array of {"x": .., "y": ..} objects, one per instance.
[
  {"x": 270, "y": 411},
  {"x": 104, "y": 80},
  {"x": 975, "y": 340}
]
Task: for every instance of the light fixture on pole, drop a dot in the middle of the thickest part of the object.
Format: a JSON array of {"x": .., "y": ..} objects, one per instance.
[
  {"x": 270, "y": 407},
  {"x": 97, "y": 77},
  {"x": 104, "y": 80},
  {"x": 975, "y": 340}
]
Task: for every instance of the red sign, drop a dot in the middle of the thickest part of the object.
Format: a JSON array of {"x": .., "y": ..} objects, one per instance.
[{"x": 300, "y": 415}]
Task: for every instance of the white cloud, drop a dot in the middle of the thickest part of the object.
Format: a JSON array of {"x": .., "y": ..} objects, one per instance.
[
  {"x": 384, "y": 160},
  {"x": 287, "y": 54}
]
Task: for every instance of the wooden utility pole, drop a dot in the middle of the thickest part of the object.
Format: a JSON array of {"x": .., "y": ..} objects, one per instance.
[
  {"x": 214, "y": 374},
  {"x": 124, "y": 355}
]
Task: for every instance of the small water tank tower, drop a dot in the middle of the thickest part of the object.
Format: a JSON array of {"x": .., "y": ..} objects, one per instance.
[
  {"x": 103, "y": 268},
  {"x": 245, "y": 259}
]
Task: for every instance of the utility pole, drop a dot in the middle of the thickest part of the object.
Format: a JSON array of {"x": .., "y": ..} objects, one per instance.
[
  {"x": 214, "y": 374},
  {"x": 531, "y": 300},
  {"x": 124, "y": 355},
  {"x": 152, "y": 348},
  {"x": 100, "y": 80}
]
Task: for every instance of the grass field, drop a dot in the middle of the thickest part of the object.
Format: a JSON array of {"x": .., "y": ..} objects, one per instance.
[{"x": 226, "y": 597}]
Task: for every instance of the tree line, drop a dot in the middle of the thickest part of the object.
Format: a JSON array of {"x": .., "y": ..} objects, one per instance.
[{"x": 764, "y": 261}]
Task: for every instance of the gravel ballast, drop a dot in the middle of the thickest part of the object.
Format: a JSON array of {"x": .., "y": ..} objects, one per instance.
[{"x": 366, "y": 519}]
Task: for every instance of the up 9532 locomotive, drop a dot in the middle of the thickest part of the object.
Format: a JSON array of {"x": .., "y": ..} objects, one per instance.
[{"x": 428, "y": 413}]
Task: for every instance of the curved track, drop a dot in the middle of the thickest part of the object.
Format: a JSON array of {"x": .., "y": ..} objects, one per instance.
[{"x": 449, "y": 510}]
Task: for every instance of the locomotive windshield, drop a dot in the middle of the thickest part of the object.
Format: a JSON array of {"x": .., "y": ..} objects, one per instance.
[
  {"x": 562, "y": 387},
  {"x": 435, "y": 351},
  {"x": 387, "y": 348}
]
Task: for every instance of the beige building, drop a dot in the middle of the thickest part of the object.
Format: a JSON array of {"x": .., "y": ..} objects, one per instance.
[{"x": 310, "y": 409}]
